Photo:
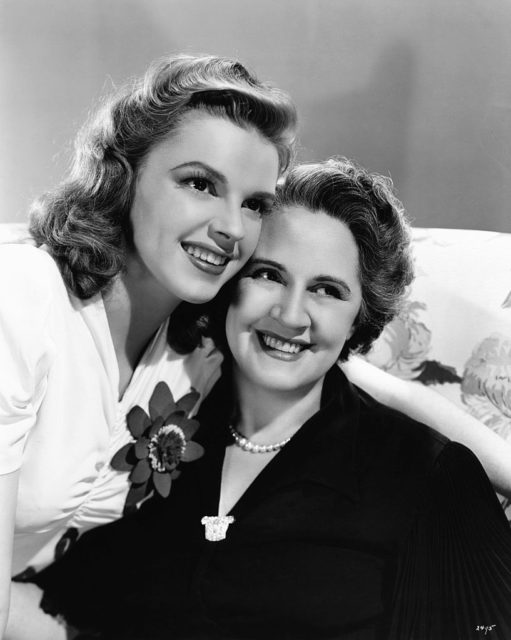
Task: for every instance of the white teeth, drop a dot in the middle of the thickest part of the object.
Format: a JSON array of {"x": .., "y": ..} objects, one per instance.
[
  {"x": 281, "y": 345},
  {"x": 205, "y": 256}
]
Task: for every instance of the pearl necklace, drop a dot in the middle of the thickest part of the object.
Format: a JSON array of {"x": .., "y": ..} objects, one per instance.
[{"x": 245, "y": 444}]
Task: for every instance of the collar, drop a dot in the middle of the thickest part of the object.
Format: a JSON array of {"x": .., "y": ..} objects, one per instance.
[
  {"x": 324, "y": 449},
  {"x": 328, "y": 441}
]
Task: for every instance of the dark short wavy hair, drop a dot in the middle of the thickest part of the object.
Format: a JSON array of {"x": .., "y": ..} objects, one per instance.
[
  {"x": 366, "y": 203},
  {"x": 84, "y": 223}
]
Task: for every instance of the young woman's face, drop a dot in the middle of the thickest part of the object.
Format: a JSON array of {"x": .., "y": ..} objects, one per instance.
[
  {"x": 296, "y": 301},
  {"x": 199, "y": 199}
]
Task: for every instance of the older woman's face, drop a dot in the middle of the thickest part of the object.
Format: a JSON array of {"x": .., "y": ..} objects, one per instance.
[
  {"x": 199, "y": 199},
  {"x": 296, "y": 301}
]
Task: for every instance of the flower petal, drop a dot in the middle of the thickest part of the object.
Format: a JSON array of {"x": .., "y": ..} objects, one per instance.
[
  {"x": 193, "y": 451},
  {"x": 140, "y": 448},
  {"x": 162, "y": 483},
  {"x": 124, "y": 459},
  {"x": 141, "y": 472},
  {"x": 176, "y": 418},
  {"x": 138, "y": 421},
  {"x": 135, "y": 495},
  {"x": 188, "y": 401},
  {"x": 189, "y": 427},
  {"x": 155, "y": 427},
  {"x": 162, "y": 401}
]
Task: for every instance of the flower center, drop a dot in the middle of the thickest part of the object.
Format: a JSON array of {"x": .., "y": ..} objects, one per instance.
[{"x": 166, "y": 448}]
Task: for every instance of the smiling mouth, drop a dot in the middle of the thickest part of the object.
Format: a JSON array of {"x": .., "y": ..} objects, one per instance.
[
  {"x": 205, "y": 255},
  {"x": 285, "y": 349}
]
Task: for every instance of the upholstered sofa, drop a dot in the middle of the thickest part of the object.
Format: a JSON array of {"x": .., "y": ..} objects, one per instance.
[{"x": 454, "y": 332}]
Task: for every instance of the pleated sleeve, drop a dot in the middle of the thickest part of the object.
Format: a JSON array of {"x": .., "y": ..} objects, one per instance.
[{"x": 454, "y": 575}]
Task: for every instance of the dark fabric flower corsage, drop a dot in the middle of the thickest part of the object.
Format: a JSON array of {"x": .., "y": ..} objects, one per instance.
[{"x": 162, "y": 441}]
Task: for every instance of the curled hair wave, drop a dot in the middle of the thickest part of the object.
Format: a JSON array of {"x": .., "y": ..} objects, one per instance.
[
  {"x": 84, "y": 222},
  {"x": 367, "y": 204}
]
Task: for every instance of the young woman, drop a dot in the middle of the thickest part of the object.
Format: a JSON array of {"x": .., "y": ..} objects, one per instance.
[
  {"x": 164, "y": 204},
  {"x": 315, "y": 512}
]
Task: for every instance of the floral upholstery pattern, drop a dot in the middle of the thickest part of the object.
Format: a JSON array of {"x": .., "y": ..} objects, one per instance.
[{"x": 454, "y": 331}]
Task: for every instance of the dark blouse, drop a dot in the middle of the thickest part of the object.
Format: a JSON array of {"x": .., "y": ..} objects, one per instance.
[{"x": 366, "y": 525}]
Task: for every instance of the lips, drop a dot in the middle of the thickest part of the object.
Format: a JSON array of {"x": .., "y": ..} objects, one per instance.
[
  {"x": 205, "y": 258},
  {"x": 281, "y": 347},
  {"x": 206, "y": 255}
]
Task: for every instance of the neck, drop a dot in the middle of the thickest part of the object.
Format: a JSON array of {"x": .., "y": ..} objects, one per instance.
[
  {"x": 136, "y": 306},
  {"x": 266, "y": 415}
]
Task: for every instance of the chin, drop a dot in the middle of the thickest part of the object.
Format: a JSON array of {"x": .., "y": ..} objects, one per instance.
[
  {"x": 280, "y": 381},
  {"x": 199, "y": 294},
  {"x": 196, "y": 299}
]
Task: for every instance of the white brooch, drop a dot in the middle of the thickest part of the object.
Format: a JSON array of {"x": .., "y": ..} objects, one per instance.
[{"x": 216, "y": 527}]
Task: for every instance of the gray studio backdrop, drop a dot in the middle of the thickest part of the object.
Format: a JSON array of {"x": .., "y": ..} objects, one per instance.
[{"x": 418, "y": 89}]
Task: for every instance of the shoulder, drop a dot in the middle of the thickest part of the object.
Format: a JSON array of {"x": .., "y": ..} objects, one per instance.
[
  {"x": 25, "y": 255},
  {"x": 405, "y": 458},
  {"x": 28, "y": 283},
  {"x": 32, "y": 292},
  {"x": 391, "y": 443},
  {"x": 459, "y": 469},
  {"x": 386, "y": 425},
  {"x": 31, "y": 270}
]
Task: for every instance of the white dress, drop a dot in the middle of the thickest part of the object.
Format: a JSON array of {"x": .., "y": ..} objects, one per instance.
[{"x": 60, "y": 418}]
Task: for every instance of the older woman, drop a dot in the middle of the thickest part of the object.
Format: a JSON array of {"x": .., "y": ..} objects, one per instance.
[{"x": 315, "y": 512}]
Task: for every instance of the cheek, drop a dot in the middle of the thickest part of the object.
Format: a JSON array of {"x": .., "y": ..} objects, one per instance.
[
  {"x": 145, "y": 222},
  {"x": 248, "y": 307},
  {"x": 238, "y": 315},
  {"x": 230, "y": 328},
  {"x": 252, "y": 232},
  {"x": 336, "y": 330},
  {"x": 235, "y": 332},
  {"x": 249, "y": 298}
]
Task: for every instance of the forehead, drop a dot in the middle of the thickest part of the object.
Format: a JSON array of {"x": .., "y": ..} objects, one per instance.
[
  {"x": 219, "y": 142},
  {"x": 309, "y": 243}
]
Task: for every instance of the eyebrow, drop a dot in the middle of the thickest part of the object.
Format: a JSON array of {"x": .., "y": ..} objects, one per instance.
[
  {"x": 214, "y": 173},
  {"x": 219, "y": 176},
  {"x": 319, "y": 278},
  {"x": 341, "y": 283},
  {"x": 267, "y": 263}
]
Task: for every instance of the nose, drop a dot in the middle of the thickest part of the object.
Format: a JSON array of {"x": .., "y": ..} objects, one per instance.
[
  {"x": 291, "y": 310},
  {"x": 227, "y": 227}
]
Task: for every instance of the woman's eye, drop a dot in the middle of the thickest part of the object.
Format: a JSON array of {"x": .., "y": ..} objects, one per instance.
[
  {"x": 200, "y": 184},
  {"x": 265, "y": 274},
  {"x": 328, "y": 291},
  {"x": 259, "y": 206}
]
